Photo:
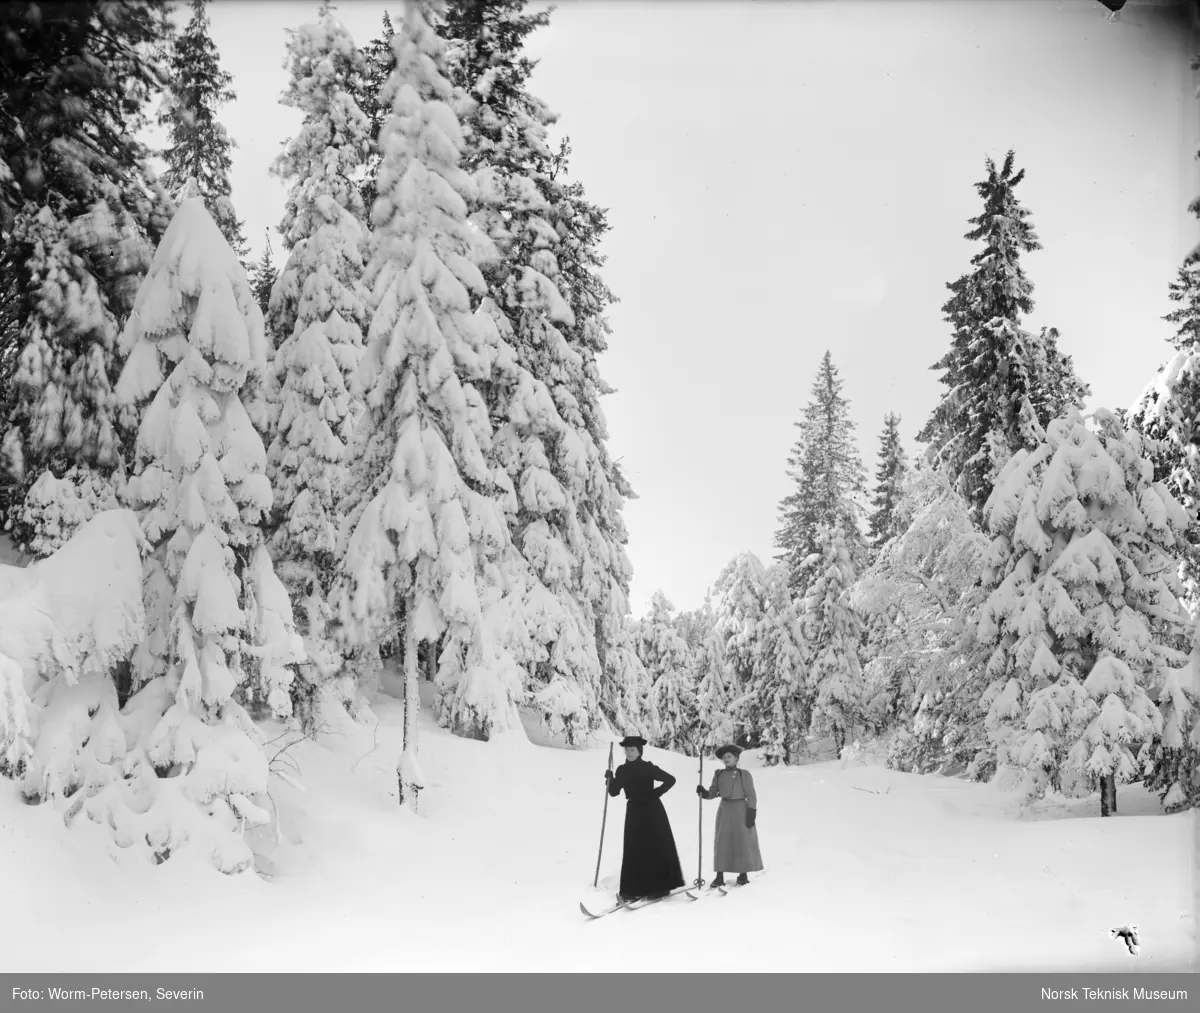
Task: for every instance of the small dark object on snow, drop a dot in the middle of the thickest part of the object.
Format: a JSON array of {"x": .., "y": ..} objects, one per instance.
[
  {"x": 1129, "y": 935},
  {"x": 736, "y": 750}
]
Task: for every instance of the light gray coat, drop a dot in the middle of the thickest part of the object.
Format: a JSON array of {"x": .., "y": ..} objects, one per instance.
[{"x": 735, "y": 848}]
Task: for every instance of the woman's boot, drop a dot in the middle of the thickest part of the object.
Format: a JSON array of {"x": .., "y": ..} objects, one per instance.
[{"x": 743, "y": 879}]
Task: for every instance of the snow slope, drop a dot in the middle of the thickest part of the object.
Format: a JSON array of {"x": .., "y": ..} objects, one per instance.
[{"x": 867, "y": 870}]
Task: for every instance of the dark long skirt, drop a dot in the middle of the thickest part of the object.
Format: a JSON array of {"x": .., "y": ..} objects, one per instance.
[{"x": 650, "y": 864}]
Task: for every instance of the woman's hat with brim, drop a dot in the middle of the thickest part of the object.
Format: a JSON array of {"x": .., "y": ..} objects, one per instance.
[
  {"x": 632, "y": 740},
  {"x": 724, "y": 750}
]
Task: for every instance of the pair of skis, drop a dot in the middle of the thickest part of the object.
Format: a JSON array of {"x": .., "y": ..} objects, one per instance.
[
  {"x": 641, "y": 902},
  {"x": 691, "y": 892}
]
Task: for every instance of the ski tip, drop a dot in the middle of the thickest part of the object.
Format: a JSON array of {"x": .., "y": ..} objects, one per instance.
[{"x": 585, "y": 911}]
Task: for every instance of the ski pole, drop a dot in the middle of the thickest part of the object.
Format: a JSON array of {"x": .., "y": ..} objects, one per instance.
[{"x": 604, "y": 821}]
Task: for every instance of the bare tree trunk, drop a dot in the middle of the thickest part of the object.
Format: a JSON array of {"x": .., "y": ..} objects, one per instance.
[
  {"x": 1108, "y": 794},
  {"x": 412, "y": 712}
]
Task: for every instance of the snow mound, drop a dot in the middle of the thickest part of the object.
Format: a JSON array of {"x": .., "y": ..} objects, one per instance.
[
  {"x": 79, "y": 610},
  {"x": 65, "y": 623}
]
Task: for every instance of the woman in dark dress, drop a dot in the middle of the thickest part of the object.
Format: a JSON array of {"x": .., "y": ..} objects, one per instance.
[{"x": 650, "y": 865}]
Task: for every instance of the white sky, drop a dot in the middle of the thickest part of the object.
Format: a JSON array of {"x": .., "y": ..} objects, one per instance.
[{"x": 788, "y": 177}]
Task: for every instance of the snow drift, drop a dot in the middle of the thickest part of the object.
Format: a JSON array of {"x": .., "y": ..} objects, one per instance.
[{"x": 66, "y": 622}]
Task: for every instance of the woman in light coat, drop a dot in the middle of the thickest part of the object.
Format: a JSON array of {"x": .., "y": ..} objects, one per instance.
[{"x": 736, "y": 846}]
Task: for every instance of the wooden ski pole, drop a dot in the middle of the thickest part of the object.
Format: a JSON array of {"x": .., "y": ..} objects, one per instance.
[
  {"x": 699, "y": 884},
  {"x": 604, "y": 821}
]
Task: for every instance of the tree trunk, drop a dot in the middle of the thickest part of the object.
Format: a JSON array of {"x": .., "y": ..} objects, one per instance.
[
  {"x": 1108, "y": 794},
  {"x": 412, "y": 709},
  {"x": 124, "y": 680},
  {"x": 839, "y": 739}
]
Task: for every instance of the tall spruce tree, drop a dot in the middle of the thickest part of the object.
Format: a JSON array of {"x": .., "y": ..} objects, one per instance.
[
  {"x": 833, "y": 631},
  {"x": 543, "y": 456},
  {"x": 1082, "y": 609},
  {"x": 830, "y": 478},
  {"x": 429, "y": 542},
  {"x": 889, "y": 482},
  {"x": 198, "y": 146},
  {"x": 1002, "y": 381},
  {"x": 78, "y": 219},
  {"x": 220, "y": 641},
  {"x": 545, "y": 302},
  {"x": 581, "y": 226},
  {"x": 319, "y": 312},
  {"x": 1167, "y": 410}
]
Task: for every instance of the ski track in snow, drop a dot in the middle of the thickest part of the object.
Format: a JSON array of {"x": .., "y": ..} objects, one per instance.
[{"x": 869, "y": 870}]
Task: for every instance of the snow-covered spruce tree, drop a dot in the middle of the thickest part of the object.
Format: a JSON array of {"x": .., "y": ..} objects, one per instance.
[
  {"x": 829, "y": 480},
  {"x": 714, "y": 692},
  {"x": 667, "y": 661},
  {"x": 541, "y": 437},
  {"x": 783, "y": 699},
  {"x": 999, "y": 378},
  {"x": 577, "y": 392},
  {"x": 833, "y": 632},
  {"x": 55, "y": 508},
  {"x": 220, "y": 641},
  {"x": 81, "y": 217},
  {"x": 429, "y": 536},
  {"x": 889, "y": 483},
  {"x": 378, "y": 63},
  {"x": 659, "y": 646},
  {"x": 198, "y": 146},
  {"x": 264, "y": 276},
  {"x": 741, "y": 590},
  {"x": 1083, "y": 599},
  {"x": 695, "y": 625},
  {"x": 320, "y": 310},
  {"x": 325, "y": 159},
  {"x": 1176, "y": 752},
  {"x": 919, "y": 602},
  {"x": 1166, "y": 411},
  {"x": 676, "y": 711}
]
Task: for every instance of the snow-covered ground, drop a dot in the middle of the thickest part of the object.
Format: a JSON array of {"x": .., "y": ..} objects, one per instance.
[{"x": 867, "y": 870}]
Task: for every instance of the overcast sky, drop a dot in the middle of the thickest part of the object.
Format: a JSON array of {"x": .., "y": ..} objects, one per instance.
[{"x": 785, "y": 178}]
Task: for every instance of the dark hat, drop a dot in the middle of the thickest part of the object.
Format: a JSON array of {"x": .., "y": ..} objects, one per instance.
[
  {"x": 632, "y": 740},
  {"x": 722, "y": 750}
]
